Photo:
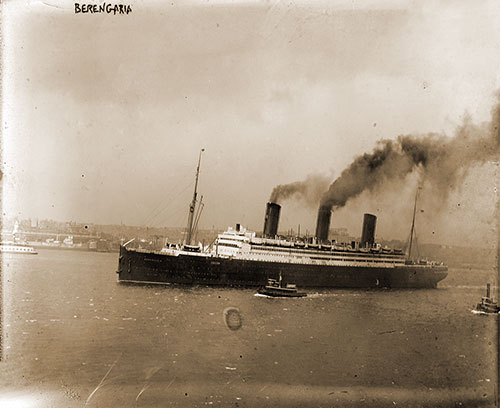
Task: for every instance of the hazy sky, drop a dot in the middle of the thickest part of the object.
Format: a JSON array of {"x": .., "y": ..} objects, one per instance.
[{"x": 104, "y": 116}]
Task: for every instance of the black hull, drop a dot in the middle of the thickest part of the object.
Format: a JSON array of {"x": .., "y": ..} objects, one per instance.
[{"x": 136, "y": 266}]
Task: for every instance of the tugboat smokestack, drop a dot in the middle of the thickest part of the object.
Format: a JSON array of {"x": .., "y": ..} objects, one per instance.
[
  {"x": 272, "y": 219},
  {"x": 323, "y": 223},
  {"x": 368, "y": 233}
]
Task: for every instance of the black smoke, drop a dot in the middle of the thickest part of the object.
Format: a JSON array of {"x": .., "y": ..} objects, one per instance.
[
  {"x": 309, "y": 190},
  {"x": 442, "y": 162}
]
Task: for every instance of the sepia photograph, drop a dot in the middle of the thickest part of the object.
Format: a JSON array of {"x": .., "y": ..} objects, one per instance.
[{"x": 249, "y": 203}]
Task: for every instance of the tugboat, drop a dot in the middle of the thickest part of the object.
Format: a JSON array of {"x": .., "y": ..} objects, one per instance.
[
  {"x": 275, "y": 288},
  {"x": 487, "y": 305}
]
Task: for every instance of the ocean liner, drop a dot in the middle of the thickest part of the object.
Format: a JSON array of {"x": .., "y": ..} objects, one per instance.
[{"x": 241, "y": 258}]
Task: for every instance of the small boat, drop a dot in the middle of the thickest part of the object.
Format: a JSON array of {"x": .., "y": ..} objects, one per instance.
[
  {"x": 16, "y": 246},
  {"x": 487, "y": 305},
  {"x": 274, "y": 288}
]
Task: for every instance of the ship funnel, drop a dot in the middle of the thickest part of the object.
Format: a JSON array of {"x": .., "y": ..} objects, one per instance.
[
  {"x": 368, "y": 233},
  {"x": 272, "y": 219},
  {"x": 323, "y": 223}
]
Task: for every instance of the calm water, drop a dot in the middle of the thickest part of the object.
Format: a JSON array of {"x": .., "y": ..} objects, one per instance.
[{"x": 74, "y": 337}]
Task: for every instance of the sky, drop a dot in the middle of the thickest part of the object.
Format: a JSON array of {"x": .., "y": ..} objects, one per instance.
[{"x": 104, "y": 115}]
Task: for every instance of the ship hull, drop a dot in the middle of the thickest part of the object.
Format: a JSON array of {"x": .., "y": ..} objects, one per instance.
[{"x": 136, "y": 266}]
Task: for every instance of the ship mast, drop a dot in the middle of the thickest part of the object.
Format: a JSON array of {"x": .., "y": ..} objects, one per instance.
[
  {"x": 413, "y": 224},
  {"x": 192, "y": 206}
]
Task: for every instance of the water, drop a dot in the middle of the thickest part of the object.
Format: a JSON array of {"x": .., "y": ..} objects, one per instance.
[{"x": 73, "y": 336}]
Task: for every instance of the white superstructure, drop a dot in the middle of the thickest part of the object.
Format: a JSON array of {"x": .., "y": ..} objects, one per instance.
[{"x": 241, "y": 244}]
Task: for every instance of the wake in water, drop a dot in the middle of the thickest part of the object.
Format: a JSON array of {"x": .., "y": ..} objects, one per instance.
[
  {"x": 481, "y": 312},
  {"x": 283, "y": 297}
]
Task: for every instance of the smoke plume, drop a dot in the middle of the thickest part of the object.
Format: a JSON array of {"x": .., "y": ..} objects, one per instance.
[
  {"x": 441, "y": 162},
  {"x": 309, "y": 190}
]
